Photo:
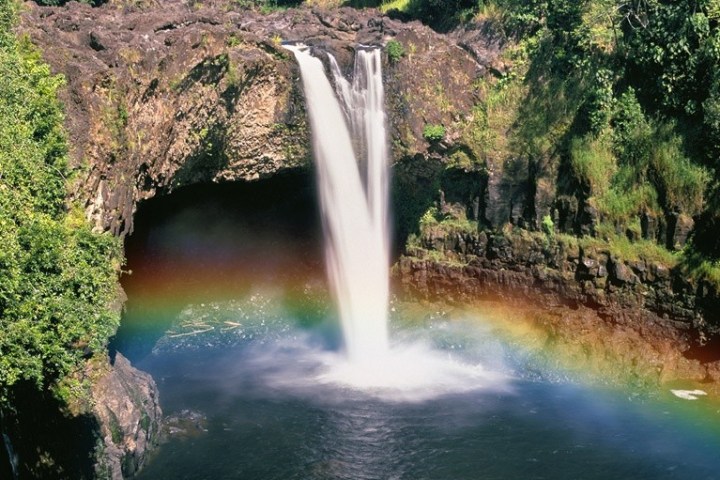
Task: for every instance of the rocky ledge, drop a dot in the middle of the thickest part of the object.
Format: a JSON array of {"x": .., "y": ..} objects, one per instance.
[
  {"x": 127, "y": 406},
  {"x": 106, "y": 433},
  {"x": 166, "y": 94},
  {"x": 656, "y": 302}
]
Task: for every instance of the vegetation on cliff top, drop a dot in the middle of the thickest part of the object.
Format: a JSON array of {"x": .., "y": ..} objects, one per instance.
[
  {"x": 614, "y": 103},
  {"x": 58, "y": 279}
]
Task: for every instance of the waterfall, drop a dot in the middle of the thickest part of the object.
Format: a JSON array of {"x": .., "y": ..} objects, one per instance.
[
  {"x": 11, "y": 455},
  {"x": 354, "y": 206},
  {"x": 9, "y": 450}
]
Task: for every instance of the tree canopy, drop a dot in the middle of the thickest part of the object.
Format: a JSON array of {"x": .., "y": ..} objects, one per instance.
[{"x": 58, "y": 279}]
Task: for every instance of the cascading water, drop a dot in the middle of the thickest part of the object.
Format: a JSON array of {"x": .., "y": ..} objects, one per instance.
[
  {"x": 346, "y": 134},
  {"x": 354, "y": 209}
]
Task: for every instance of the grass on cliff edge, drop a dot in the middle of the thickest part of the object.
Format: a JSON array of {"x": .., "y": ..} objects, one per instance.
[{"x": 58, "y": 279}]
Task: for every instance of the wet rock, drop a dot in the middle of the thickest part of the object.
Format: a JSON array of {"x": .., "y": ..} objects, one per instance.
[
  {"x": 126, "y": 404},
  {"x": 567, "y": 207},
  {"x": 589, "y": 218},
  {"x": 679, "y": 228},
  {"x": 649, "y": 226},
  {"x": 534, "y": 269},
  {"x": 588, "y": 268},
  {"x": 185, "y": 424},
  {"x": 484, "y": 41},
  {"x": 621, "y": 274},
  {"x": 508, "y": 188}
]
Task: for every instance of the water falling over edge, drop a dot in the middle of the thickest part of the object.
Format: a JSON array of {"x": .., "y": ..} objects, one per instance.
[{"x": 355, "y": 212}]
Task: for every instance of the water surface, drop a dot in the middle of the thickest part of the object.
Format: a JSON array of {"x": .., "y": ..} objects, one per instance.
[{"x": 273, "y": 410}]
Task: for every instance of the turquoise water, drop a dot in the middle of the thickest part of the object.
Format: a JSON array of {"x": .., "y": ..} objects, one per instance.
[{"x": 269, "y": 410}]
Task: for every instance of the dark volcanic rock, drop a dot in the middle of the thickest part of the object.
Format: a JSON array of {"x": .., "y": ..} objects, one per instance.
[
  {"x": 549, "y": 272},
  {"x": 127, "y": 406},
  {"x": 166, "y": 94},
  {"x": 106, "y": 436}
]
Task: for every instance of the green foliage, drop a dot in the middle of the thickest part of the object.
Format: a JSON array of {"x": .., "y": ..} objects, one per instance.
[
  {"x": 680, "y": 183},
  {"x": 621, "y": 98},
  {"x": 433, "y": 133},
  {"x": 593, "y": 163},
  {"x": 548, "y": 226},
  {"x": 434, "y": 223},
  {"x": 388, "y": 5},
  {"x": 616, "y": 102},
  {"x": 57, "y": 278},
  {"x": 698, "y": 267},
  {"x": 440, "y": 13},
  {"x": 395, "y": 50},
  {"x": 429, "y": 218},
  {"x": 674, "y": 53}
]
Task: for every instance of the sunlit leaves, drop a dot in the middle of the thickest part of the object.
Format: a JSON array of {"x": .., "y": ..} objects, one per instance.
[{"x": 57, "y": 278}]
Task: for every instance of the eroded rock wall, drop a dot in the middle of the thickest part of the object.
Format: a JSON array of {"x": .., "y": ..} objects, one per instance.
[
  {"x": 127, "y": 405},
  {"x": 551, "y": 272},
  {"x": 168, "y": 94}
]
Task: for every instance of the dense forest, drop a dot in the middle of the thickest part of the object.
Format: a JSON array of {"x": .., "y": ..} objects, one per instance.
[{"x": 58, "y": 279}]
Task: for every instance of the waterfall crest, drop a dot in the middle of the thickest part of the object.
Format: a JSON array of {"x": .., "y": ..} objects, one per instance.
[{"x": 354, "y": 206}]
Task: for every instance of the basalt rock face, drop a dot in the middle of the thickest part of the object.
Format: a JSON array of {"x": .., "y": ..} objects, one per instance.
[
  {"x": 126, "y": 404},
  {"x": 554, "y": 273},
  {"x": 167, "y": 94},
  {"x": 106, "y": 436}
]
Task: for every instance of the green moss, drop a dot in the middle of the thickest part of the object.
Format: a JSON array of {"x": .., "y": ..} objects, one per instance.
[
  {"x": 433, "y": 133},
  {"x": 548, "y": 226},
  {"x": 145, "y": 421},
  {"x": 115, "y": 430},
  {"x": 395, "y": 51},
  {"x": 621, "y": 247},
  {"x": 400, "y": 5}
]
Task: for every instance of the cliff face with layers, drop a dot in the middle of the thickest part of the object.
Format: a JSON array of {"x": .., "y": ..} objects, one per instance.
[{"x": 164, "y": 96}]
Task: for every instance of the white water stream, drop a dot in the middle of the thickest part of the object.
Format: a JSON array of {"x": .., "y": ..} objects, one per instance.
[
  {"x": 351, "y": 158},
  {"x": 354, "y": 206}
]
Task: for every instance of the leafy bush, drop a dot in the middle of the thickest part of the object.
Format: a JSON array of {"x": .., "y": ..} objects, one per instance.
[
  {"x": 395, "y": 50},
  {"x": 58, "y": 279},
  {"x": 548, "y": 226},
  {"x": 433, "y": 133},
  {"x": 593, "y": 163},
  {"x": 440, "y": 14}
]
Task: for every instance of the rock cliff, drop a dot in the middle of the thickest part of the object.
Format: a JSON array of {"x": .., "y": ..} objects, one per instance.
[
  {"x": 107, "y": 437},
  {"x": 170, "y": 94},
  {"x": 127, "y": 406}
]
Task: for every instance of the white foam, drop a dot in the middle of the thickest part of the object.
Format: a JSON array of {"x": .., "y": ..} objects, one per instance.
[
  {"x": 688, "y": 394},
  {"x": 413, "y": 372}
]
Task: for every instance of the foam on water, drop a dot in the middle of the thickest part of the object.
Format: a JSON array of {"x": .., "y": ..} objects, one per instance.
[{"x": 413, "y": 373}]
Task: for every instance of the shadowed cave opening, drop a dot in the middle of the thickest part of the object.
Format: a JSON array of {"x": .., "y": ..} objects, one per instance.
[{"x": 215, "y": 242}]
